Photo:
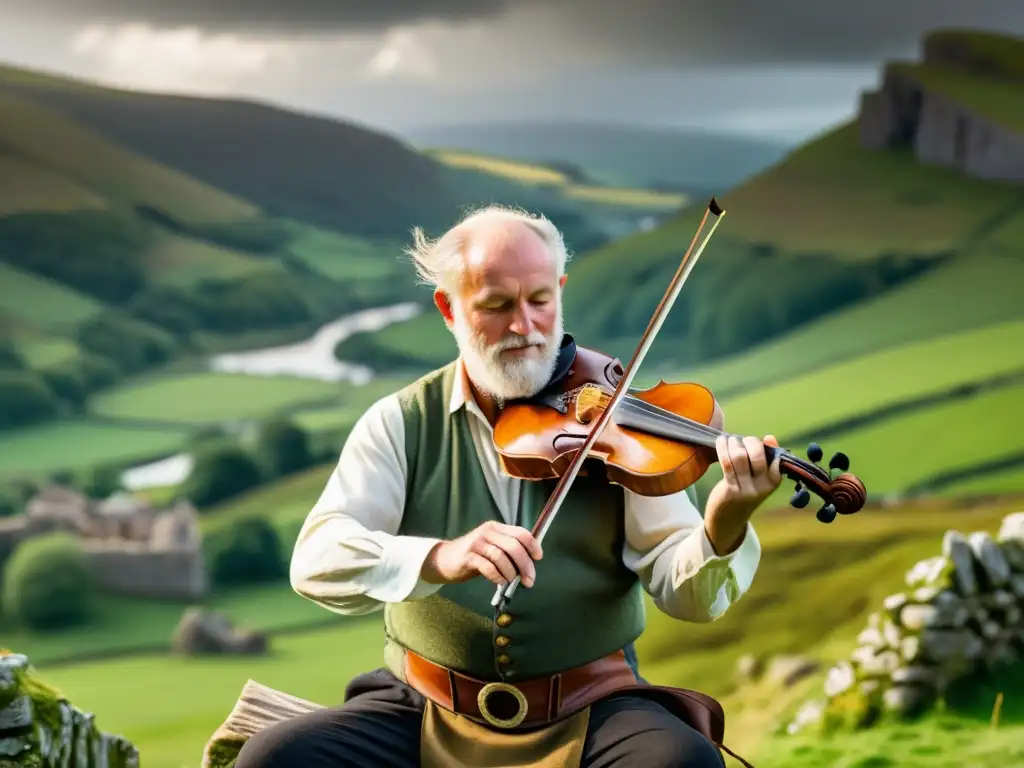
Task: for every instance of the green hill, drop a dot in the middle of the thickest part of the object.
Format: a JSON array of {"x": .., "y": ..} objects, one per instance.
[{"x": 139, "y": 231}]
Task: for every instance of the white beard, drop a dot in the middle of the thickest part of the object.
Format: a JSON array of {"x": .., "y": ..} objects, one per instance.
[{"x": 511, "y": 379}]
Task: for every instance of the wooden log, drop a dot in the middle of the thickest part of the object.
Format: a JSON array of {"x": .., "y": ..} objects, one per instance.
[{"x": 258, "y": 707}]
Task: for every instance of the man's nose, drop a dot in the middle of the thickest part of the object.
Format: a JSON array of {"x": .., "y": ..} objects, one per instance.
[{"x": 522, "y": 322}]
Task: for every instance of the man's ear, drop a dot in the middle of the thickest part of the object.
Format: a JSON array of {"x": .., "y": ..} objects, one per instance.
[
  {"x": 561, "y": 281},
  {"x": 444, "y": 306}
]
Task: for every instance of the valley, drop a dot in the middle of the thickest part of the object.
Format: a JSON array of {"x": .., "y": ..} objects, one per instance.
[{"x": 163, "y": 300}]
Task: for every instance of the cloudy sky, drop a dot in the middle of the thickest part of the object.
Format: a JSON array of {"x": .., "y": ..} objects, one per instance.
[{"x": 773, "y": 68}]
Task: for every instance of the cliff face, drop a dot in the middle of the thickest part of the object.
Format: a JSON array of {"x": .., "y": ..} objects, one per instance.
[
  {"x": 40, "y": 729},
  {"x": 957, "y": 108}
]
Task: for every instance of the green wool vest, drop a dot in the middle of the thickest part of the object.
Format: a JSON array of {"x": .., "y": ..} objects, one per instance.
[{"x": 585, "y": 603}]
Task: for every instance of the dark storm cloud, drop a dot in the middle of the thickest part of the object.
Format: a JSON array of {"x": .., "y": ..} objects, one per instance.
[
  {"x": 304, "y": 16},
  {"x": 668, "y": 32}
]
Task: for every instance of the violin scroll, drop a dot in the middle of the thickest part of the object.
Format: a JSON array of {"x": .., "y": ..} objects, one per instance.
[{"x": 842, "y": 492}]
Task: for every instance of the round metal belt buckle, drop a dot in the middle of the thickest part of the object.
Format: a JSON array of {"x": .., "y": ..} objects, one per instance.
[{"x": 494, "y": 688}]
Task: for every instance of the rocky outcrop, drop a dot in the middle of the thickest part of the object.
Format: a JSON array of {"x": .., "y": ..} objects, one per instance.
[
  {"x": 913, "y": 108},
  {"x": 962, "y": 611},
  {"x": 202, "y": 632},
  {"x": 41, "y": 729}
]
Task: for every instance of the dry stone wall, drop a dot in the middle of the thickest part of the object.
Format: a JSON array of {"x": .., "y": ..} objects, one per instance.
[
  {"x": 40, "y": 729},
  {"x": 961, "y": 612}
]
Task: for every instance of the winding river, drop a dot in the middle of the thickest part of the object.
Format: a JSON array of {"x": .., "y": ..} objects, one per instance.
[{"x": 311, "y": 358}]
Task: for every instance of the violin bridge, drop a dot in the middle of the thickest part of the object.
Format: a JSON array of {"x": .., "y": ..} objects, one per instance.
[{"x": 590, "y": 401}]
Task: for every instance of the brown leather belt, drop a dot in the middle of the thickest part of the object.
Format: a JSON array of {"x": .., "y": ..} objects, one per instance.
[{"x": 528, "y": 703}]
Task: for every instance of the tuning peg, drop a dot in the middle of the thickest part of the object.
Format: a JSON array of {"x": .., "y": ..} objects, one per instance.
[
  {"x": 800, "y": 498},
  {"x": 839, "y": 461},
  {"x": 826, "y": 514},
  {"x": 814, "y": 452}
]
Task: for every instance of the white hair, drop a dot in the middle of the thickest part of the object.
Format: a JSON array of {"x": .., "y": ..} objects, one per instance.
[{"x": 440, "y": 262}]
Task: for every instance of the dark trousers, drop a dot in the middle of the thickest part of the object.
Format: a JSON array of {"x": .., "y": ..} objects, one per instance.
[{"x": 378, "y": 726}]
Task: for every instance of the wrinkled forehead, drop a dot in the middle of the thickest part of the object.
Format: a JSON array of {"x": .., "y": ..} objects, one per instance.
[{"x": 511, "y": 259}]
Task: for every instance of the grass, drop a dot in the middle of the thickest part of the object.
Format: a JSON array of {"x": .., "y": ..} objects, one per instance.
[
  {"x": 78, "y": 444},
  {"x": 1005, "y": 481},
  {"x": 997, "y": 99},
  {"x": 209, "y": 397},
  {"x": 285, "y": 503},
  {"x": 813, "y": 591},
  {"x": 343, "y": 257},
  {"x": 40, "y": 189},
  {"x": 834, "y": 196},
  {"x": 854, "y": 388},
  {"x": 126, "y": 624},
  {"x": 47, "y": 351},
  {"x": 182, "y": 261},
  {"x": 43, "y": 303},
  {"x": 904, "y": 451},
  {"x": 43, "y": 137},
  {"x": 968, "y": 292}
]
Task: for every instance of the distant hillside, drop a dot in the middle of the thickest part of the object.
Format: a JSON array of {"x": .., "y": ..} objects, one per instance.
[
  {"x": 141, "y": 230},
  {"x": 626, "y": 155}
]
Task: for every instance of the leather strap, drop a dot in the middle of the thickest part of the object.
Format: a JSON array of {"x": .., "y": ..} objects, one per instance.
[{"x": 547, "y": 699}]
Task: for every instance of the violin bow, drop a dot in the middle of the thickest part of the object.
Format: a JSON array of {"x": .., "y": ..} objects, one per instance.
[{"x": 503, "y": 594}]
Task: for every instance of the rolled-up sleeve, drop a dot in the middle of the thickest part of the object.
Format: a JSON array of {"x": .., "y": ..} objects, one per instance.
[
  {"x": 669, "y": 550},
  {"x": 349, "y": 557}
]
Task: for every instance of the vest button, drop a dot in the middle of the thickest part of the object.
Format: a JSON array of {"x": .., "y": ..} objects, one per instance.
[
  {"x": 504, "y": 620},
  {"x": 503, "y": 660},
  {"x": 501, "y": 641}
]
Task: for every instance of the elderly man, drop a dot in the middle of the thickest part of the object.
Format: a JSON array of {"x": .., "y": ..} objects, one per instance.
[{"x": 419, "y": 519}]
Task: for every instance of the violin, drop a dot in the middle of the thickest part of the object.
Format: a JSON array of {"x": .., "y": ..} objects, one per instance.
[{"x": 655, "y": 441}]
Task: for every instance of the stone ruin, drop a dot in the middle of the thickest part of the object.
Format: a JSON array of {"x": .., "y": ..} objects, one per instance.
[
  {"x": 133, "y": 547},
  {"x": 962, "y": 613},
  {"x": 38, "y": 727},
  {"x": 909, "y": 111}
]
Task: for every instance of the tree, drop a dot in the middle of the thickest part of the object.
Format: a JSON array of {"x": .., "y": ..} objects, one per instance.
[
  {"x": 283, "y": 448},
  {"x": 245, "y": 552},
  {"x": 220, "y": 470},
  {"x": 48, "y": 583}
]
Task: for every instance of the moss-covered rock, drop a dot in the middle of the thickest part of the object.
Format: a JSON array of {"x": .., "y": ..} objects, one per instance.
[{"x": 39, "y": 728}]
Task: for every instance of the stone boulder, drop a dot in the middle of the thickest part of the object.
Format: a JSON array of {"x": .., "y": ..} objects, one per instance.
[
  {"x": 39, "y": 728},
  {"x": 201, "y": 632},
  {"x": 962, "y": 613}
]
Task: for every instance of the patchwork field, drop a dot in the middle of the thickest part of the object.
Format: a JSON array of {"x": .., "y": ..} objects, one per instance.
[
  {"x": 78, "y": 444},
  {"x": 42, "y": 303},
  {"x": 209, "y": 397}
]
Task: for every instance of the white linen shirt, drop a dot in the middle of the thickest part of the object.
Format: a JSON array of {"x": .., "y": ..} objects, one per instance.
[{"x": 350, "y": 559}]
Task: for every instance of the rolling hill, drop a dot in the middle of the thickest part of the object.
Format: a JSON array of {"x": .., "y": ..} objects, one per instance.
[
  {"x": 853, "y": 295},
  {"x": 139, "y": 230}
]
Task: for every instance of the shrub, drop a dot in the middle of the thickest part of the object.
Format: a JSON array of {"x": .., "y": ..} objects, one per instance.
[
  {"x": 246, "y": 551},
  {"x": 220, "y": 470},
  {"x": 283, "y": 448},
  {"x": 48, "y": 583},
  {"x": 24, "y": 398}
]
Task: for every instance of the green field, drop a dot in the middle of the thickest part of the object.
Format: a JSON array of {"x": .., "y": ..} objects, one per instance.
[
  {"x": 209, "y": 397},
  {"x": 42, "y": 303},
  {"x": 182, "y": 261},
  {"x": 873, "y": 381},
  {"x": 80, "y": 444},
  {"x": 853, "y": 565},
  {"x": 970, "y": 292}
]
